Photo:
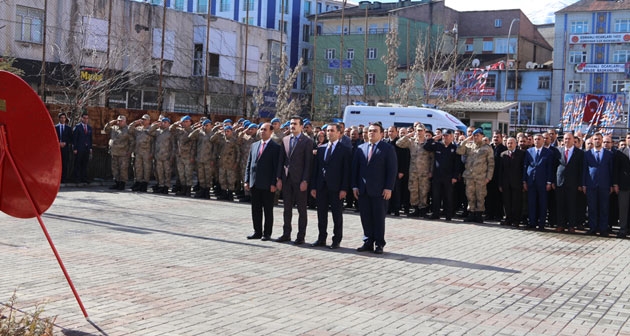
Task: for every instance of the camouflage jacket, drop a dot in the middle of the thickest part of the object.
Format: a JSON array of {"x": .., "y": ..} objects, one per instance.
[
  {"x": 121, "y": 141},
  {"x": 421, "y": 162},
  {"x": 479, "y": 160}
]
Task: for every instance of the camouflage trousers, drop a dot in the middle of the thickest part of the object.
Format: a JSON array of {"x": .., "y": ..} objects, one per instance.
[
  {"x": 476, "y": 193},
  {"x": 205, "y": 173},
  {"x": 227, "y": 177},
  {"x": 120, "y": 168},
  {"x": 142, "y": 167},
  {"x": 185, "y": 170},
  {"x": 419, "y": 187},
  {"x": 163, "y": 172}
]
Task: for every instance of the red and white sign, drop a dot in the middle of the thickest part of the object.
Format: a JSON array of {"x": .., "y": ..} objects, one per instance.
[
  {"x": 599, "y": 38},
  {"x": 598, "y": 68}
]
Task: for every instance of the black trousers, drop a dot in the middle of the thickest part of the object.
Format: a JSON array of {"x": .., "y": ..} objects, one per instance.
[
  {"x": 291, "y": 195},
  {"x": 81, "y": 160},
  {"x": 513, "y": 203},
  {"x": 442, "y": 196},
  {"x": 262, "y": 201},
  {"x": 329, "y": 198},
  {"x": 373, "y": 211},
  {"x": 567, "y": 206}
]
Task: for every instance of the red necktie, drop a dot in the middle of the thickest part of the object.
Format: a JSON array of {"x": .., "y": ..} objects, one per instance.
[
  {"x": 85, "y": 128},
  {"x": 566, "y": 155},
  {"x": 370, "y": 152},
  {"x": 262, "y": 148}
]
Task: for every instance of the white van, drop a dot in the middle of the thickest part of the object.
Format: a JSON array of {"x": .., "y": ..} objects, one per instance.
[{"x": 400, "y": 116}]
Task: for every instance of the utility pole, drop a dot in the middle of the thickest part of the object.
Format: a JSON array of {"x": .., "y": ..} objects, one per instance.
[
  {"x": 42, "y": 86},
  {"x": 160, "y": 101},
  {"x": 507, "y": 60},
  {"x": 343, "y": 8}
]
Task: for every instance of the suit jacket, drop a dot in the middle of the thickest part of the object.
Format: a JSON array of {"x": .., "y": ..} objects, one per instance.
[
  {"x": 511, "y": 169},
  {"x": 621, "y": 170},
  {"x": 403, "y": 155},
  {"x": 569, "y": 174},
  {"x": 334, "y": 172},
  {"x": 497, "y": 149},
  {"x": 295, "y": 167},
  {"x": 82, "y": 140},
  {"x": 261, "y": 172},
  {"x": 538, "y": 172},
  {"x": 598, "y": 174},
  {"x": 380, "y": 173},
  {"x": 66, "y": 136},
  {"x": 447, "y": 163},
  {"x": 346, "y": 141}
]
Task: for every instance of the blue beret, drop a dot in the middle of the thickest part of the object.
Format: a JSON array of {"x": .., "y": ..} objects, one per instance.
[
  {"x": 478, "y": 131},
  {"x": 225, "y": 128},
  {"x": 325, "y": 126},
  {"x": 252, "y": 126},
  {"x": 247, "y": 123},
  {"x": 275, "y": 120},
  {"x": 166, "y": 119},
  {"x": 206, "y": 122},
  {"x": 305, "y": 120},
  {"x": 241, "y": 120},
  {"x": 307, "y": 123},
  {"x": 227, "y": 121},
  {"x": 286, "y": 124},
  {"x": 184, "y": 118}
]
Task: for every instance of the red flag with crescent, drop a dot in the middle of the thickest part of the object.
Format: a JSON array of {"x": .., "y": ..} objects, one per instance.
[{"x": 592, "y": 104}]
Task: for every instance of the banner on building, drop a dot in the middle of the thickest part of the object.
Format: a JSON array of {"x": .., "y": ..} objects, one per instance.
[
  {"x": 599, "y": 68},
  {"x": 599, "y": 38}
]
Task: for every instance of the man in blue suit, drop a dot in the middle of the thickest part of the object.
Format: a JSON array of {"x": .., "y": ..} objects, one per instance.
[
  {"x": 64, "y": 134},
  {"x": 82, "y": 138},
  {"x": 538, "y": 177},
  {"x": 260, "y": 180},
  {"x": 597, "y": 185},
  {"x": 374, "y": 171},
  {"x": 330, "y": 182}
]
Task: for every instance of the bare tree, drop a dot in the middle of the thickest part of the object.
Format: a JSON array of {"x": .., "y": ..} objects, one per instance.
[
  {"x": 6, "y": 64},
  {"x": 392, "y": 41},
  {"x": 285, "y": 106}
]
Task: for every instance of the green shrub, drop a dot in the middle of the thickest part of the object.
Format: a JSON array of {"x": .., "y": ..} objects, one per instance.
[{"x": 14, "y": 322}]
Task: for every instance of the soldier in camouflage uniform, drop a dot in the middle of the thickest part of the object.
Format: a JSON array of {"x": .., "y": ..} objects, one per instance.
[
  {"x": 205, "y": 158},
  {"x": 163, "y": 154},
  {"x": 278, "y": 132},
  {"x": 226, "y": 145},
  {"x": 143, "y": 152},
  {"x": 420, "y": 170},
  {"x": 478, "y": 171},
  {"x": 185, "y": 153},
  {"x": 120, "y": 146}
]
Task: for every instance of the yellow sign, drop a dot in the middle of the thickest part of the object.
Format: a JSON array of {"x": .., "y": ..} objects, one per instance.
[{"x": 91, "y": 76}]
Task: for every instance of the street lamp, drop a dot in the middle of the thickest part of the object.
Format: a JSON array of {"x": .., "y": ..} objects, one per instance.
[{"x": 507, "y": 60}]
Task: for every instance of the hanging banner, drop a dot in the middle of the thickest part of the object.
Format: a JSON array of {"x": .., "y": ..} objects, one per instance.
[
  {"x": 599, "y": 38},
  {"x": 599, "y": 68}
]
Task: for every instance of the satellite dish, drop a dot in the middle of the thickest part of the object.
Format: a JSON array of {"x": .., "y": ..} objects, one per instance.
[
  {"x": 511, "y": 65},
  {"x": 475, "y": 63},
  {"x": 535, "y": 66},
  {"x": 529, "y": 65}
]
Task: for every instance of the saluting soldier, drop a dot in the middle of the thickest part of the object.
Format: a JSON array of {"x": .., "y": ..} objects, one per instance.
[
  {"x": 185, "y": 153},
  {"x": 420, "y": 170},
  {"x": 227, "y": 148},
  {"x": 205, "y": 157},
  {"x": 143, "y": 152},
  {"x": 120, "y": 145},
  {"x": 163, "y": 154}
]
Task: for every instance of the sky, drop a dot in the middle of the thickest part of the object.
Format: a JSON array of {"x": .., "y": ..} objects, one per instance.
[{"x": 538, "y": 11}]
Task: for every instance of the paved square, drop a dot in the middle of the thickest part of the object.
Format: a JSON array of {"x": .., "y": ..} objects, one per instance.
[{"x": 148, "y": 264}]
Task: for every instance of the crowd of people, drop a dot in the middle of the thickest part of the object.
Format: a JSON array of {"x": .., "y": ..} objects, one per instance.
[{"x": 533, "y": 181}]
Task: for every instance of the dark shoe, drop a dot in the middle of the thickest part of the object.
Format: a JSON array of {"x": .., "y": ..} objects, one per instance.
[
  {"x": 318, "y": 243},
  {"x": 282, "y": 239},
  {"x": 265, "y": 238},
  {"x": 571, "y": 230},
  {"x": 378, "y": 250},
  {"x": 114, "y": 186},
  {"x": 121, "y": 185},
  {"x": 604, "y": 234},
  {"x": 396, "y": 213},
  {"x": 415, "y": 212},
  {"x": 298, "y": 241},
  {"x": 434, "y": 216},
  {"x": 366, "y": 248},
  {"x": 448, "y": 219},
  {"x": 135, "y": 186},
  {"x": 334, "y": 246},
  {"x": 254, "y": 236},
  {"x": 143, "y": 186},
  {"x": 590, "y": 233},
  {"x": 559, "y": 229},
  {"x": 479, "y": 217},
  {"x": 164, "y": 190},
  {"x": 621, "y": 235}
]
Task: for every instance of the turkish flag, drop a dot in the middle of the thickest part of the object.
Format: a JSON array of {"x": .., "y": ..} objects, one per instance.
[{"x": 592, "y": 104}]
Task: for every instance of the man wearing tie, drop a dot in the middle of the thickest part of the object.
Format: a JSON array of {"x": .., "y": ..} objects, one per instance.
[
  {"x": 260, "y": 181},
  {"x": 294, "y": 172},
  {"x": 510, "y": 182},
  {"x": 82, "y": 138},
  {"x": 64, "y": 134},
  {"x": 537, "y": 179},
  {"x": 569, "y": 176},
  {"x": 374, "y": 172},
  {"x": 330, "y": 182},
  {"x": 597, "y": 185}
]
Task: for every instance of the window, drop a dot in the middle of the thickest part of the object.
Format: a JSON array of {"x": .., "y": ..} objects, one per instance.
[
  {"x": 469, "y": 47},
  {"x": 621, "y": 56},
  {"x": 169, "y": 44},
  {"x": 348, "y": 79},
  {"x": 544, "y": 82},
  {"x": 385, "y": 27},
  {"x": 213, "y": 65},
  {"x": 350, "y": 54},
  {"x": 360, "y": 30},
  {"x": 178, "y": 4},
  {"x": 330, "y": 54},
  {"x": 577, "y": 57},
  {"x": 95, "y": 32},
  {"x": 620, "y": 85},
  {"x": 370, "y": 79},
  {"x": 28, "y": 24},
  {"x": 511, "y": 83},
  {"x": 373, "y": 29},
  {"x": 576, "y": 86},
  {"x": 371, "y": 53},
  {"x": 319, "y": 8},
  {"x": 622, "y": 26},
  {"x": 498, "y": 23},
  {"x": 307, "y": 8},
  {"x": 283, "y": 6},
  {"x": 534, "y": 113},
  {"x": 329, "y": 79},
  {"x": 579, "y": 27},
  {"x": 202, "y": 6},
  {"x": 305, "y": 56},
  {"x": 248, "y": 20},
  {"x": 149, "y": 100},
  {"x": 198, "y": 60},
  {"x": 248, "y": 5},
  {"x": 306, "y": 33},
  {"x": 284, "y": 25},
  {"x": 304, "y": 80},
  {"x": 224, "y": 5},
  {"x": 491, "y": 81},
  {"x": 488, "y": 46}
]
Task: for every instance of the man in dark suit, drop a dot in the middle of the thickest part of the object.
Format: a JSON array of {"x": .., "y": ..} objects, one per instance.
[
  {"x": 260, "y": 180},
  {"x": 82, "y": 149},
  {"x": 330, "y": 183},
  {"x": 403, "y": 157},
  {"x": 537, "y": 179},
  {"x": 621, "y": 186},
  {"x": 510, "y": 180},
  {"x": 446, "y": 168},
  {"x": 374, "y": 170},
  {"x": 597, "y": 185},
  {"x": 494, "y": 206},
  {"x": 569, "y": 175},
  {"x": 64, "y": 134},
  {"x": 294, "y": 173}
]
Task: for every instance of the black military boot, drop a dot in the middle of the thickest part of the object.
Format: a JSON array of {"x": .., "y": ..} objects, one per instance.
[
  {"x": 121, "y": 185},
  {"x": 471, "y": 218},
  {"x": 479, "y": 217},
  {"x": 200, "y": 193},
  {"x": 114, "y": 186},
  {"x": 135, "y": 186},
  {"x": 143, "y": 186},
  {"x": 415, "y": 212},
  {"x": 229, "y": 196},
  {"x": 164, "y": 190}
]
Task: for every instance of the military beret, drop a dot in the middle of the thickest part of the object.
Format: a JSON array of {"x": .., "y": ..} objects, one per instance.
[
  {"x": 206, "y": 122},
  {"x": 325, "y": 126},
  {"x": 275, "y": 120},
  {"x": 166, "y": 119},
  {"x": 226, "y": 121},
  {"x": 247, "y": 123},
  {"x": 184, "y": 118},
  {"x": 225, "y": 128},
  {"x": 478, "y": 131},
  {"x": 307, "y": 123},
  {"x": 241, "y": 120},
  {"x": 252, "y": 126}
]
